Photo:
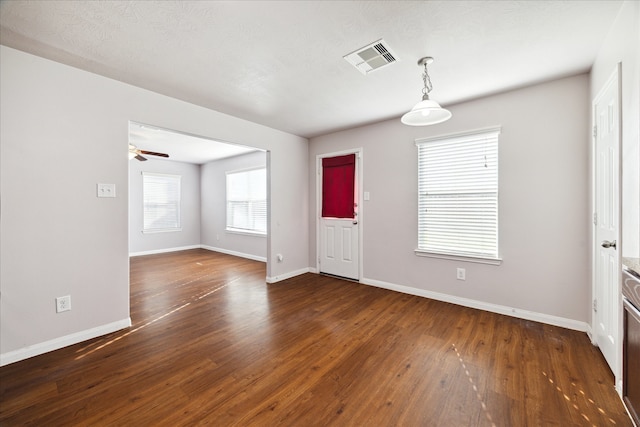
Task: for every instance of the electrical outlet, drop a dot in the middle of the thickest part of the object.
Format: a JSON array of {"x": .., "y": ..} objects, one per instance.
[
  {"x": 461, "y": 274},
  {"x": 63, "y": 304}
]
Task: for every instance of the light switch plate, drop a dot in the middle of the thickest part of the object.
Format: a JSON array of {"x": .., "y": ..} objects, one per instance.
[{"x": 106, "y": 190}]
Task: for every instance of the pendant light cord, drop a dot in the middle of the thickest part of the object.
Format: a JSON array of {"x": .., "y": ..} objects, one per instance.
[{"x": 427, "y": 83}]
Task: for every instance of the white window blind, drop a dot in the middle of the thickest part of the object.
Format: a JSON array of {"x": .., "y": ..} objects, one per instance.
[
  {"x": 458, "y": 195},
  {"x": 247, "y": 201},
  {"x": 161, "y": 195}
]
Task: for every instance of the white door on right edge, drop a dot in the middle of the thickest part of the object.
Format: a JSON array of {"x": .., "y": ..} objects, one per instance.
[{"x": 606, "y": 194}]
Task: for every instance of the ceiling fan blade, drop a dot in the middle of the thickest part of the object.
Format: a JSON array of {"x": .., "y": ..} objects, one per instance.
[
  {"x": 152, "y": 153},
  {"x": 139, "y": 157}
]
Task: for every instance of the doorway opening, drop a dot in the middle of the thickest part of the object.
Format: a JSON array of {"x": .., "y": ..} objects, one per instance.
[{"x": 200, "y": 210}]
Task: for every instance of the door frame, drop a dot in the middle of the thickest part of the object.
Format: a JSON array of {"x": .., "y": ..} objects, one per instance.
[
  {"x": 359, "y": 183},
  {"x": 614, "y": 78}
]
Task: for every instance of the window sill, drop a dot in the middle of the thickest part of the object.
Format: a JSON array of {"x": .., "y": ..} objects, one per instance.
[
  {"x": 246, "y": 232},
  {"x": 454, "y": 257},
  {"x": 161, "y": 230}
]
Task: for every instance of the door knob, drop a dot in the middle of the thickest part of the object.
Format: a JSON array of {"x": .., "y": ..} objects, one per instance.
[{"x": 608, "y": 244}]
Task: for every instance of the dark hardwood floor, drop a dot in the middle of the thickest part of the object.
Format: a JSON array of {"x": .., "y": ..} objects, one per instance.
[{"x": 211, "y": 343}]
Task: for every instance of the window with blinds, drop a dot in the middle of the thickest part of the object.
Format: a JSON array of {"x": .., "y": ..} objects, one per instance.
[
  {"x": 458, "y": 195},
  {"x": 247, "y": 201},
  {"x": 161, "y": 199}
]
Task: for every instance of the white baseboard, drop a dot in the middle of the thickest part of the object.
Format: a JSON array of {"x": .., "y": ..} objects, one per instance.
[
  {"x": 234, "y": 253},
  {"x": 285, "y": 276},
  {"x": 162, "y": 251},
  {"x": 209, "y": 248},
  {"x": 494, "y": 308},
  {"x": 57, "y": 343}
]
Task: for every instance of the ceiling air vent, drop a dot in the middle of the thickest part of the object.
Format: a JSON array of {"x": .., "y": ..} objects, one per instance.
[{"x": 371, "y": 57}]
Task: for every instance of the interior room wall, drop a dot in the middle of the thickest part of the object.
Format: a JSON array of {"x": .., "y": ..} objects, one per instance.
[
  {"x": 543, "y": 204},
  {"x": 214, "y": 203},
  {"x": 63, "y": 131},
  {"x": 189, "y": 237}
]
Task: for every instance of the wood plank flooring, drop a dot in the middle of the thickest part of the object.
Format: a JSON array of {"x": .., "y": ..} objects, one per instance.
[{"x": 212, "y": 344}]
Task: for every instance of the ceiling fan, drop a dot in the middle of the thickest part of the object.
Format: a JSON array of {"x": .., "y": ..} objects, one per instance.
[{"x": 135, "y": 153}]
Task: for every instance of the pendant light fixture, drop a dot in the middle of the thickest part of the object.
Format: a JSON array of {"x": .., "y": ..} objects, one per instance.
[{"x": 427, "y": 111}]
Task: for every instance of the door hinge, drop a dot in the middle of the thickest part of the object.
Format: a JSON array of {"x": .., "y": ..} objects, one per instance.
[
  {"x": 595, "y": 218},
  {"x": 595, "y": 305},
  {"x": 595, "y": 131}
]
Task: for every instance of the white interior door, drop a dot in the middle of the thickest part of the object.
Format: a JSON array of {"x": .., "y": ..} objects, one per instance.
[
  {"x": 339, "y": 237},
  {"x": 606, "y": 221}
]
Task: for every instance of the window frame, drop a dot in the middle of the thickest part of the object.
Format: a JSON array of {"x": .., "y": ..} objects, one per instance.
[
  {"x": 478, "y": 136},
  {"x": 177, "y": 202},
  {"x": 247, "y": 231}
]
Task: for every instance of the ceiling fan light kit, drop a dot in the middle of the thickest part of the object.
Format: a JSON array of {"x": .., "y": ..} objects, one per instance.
[{"x": 427, "y": 111}]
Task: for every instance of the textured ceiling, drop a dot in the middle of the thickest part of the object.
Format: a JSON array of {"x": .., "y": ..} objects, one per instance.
[{"x": 280, "y": 63}]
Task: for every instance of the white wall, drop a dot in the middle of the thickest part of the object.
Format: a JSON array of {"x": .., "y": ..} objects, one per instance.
[
  {"x": 189, "y": 236},
  {"x": 623, "y": 46},
  {"x": 543, "y": 205},
  {"x": 214, "y": 205},
  {"x": 64, "y": 130}
]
